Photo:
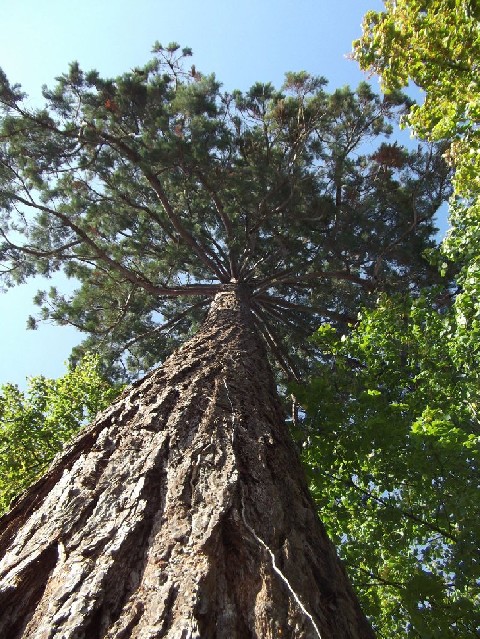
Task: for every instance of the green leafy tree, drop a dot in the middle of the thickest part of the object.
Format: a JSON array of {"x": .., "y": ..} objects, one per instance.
[
  {"x": 156, "y": 188},
  {"x": 393, "y": 447},
  {"x": 36, "y": 424},
  {"x": 392, "y": 428},
  {"x": 436, "y": 45}
]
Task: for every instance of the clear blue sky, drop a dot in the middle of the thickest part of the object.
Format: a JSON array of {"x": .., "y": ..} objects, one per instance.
[{"x": 242, "y": 41}]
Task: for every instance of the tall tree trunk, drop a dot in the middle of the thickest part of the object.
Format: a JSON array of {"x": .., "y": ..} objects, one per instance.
[{"x": 181, "y": 512}]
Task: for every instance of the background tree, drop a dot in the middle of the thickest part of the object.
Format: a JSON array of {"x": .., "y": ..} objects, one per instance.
[
  {"x": 36, "y": 424},
  {"x": 398, "y": 423},
  {"x": 393, "y": 447},
  {"x": 436, "y": 45}
]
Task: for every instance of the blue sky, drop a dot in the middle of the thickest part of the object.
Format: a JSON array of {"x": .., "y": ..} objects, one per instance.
[{"x": 241, "y": 41}]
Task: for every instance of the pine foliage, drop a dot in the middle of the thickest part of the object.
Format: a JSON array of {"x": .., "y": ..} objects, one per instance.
[{"x": 154, "y": 189}]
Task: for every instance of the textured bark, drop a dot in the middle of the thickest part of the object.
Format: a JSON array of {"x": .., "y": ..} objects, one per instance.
[{"x": 182, "y": 511}]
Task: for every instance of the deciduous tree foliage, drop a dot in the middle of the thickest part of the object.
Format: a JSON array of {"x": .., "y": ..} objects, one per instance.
[
  {"x": 394, "y": 448},
  {"x": 436, "y": 45},
  {"x": 36, "y": 424}
]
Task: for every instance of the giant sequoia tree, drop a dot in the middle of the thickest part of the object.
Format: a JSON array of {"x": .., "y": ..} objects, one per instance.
[{"x": 182, "y": 510}]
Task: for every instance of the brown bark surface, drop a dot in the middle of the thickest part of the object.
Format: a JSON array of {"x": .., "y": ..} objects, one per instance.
[{"x": 181, "y": 512}]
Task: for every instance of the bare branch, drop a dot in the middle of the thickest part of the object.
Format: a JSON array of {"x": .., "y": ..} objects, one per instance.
[
  {"x": 166, "y": 326},
  {"x": 303, "y": 308},
  {"x": 288, "y": 317},
  {"x": 275, "y": 344},
  {"x": 314, "y": 276}
]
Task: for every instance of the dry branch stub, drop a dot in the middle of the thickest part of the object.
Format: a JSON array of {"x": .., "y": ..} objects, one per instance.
[{"x": 181, "y": 512}]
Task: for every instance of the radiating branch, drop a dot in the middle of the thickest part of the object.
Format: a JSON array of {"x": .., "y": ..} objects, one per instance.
[
  {"x": 209, "y": 258},
  {"x": 101, "y": 254},
  {"x": 275, "y": 344},
  {"x": 303, "y": 308},
  {"x": 165, "y": 326},
  {"x": 314, "y": 276},
  {"x": 58, "y": 252}
]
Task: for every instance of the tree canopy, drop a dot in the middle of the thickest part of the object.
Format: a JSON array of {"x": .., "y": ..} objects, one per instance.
[{"x": 155, "y": 188}]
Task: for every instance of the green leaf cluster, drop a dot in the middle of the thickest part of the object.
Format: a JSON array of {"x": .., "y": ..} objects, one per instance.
[
  {"x": 392, "y": 445},
  {"x": 35, "y": 424},
  {"x": 435, "y": 44}
]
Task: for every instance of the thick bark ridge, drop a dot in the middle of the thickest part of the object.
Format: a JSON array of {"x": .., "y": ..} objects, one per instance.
[{"x": 181, "y": 512}]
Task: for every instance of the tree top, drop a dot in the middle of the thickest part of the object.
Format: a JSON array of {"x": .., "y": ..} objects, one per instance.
[{"x": 155, "y": 189}]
